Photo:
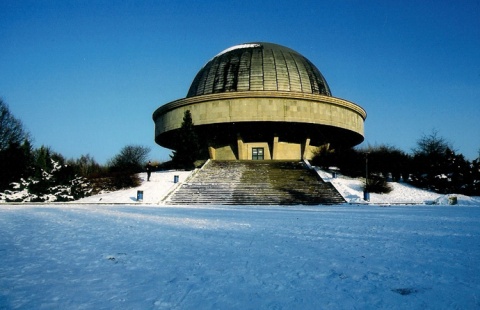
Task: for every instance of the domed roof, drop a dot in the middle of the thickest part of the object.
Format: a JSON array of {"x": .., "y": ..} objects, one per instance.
[{"x": 259, "y": 67}]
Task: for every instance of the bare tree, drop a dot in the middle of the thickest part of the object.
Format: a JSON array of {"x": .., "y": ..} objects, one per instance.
[
  {"x": 11, "y": 128},
  {"x": 86, "y": 165},
  {"x": 131, "y": 158}
]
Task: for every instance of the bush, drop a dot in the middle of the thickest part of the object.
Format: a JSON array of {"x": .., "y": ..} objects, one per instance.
[
  {"x": 119, "y": 180},
  {"x": 377, "y": 184}
]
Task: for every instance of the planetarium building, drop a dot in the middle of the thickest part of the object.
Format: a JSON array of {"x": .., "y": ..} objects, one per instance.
[{"x": 261, "y": 101}]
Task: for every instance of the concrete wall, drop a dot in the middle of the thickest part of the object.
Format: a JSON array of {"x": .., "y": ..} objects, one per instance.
[
  {"x": 262, "y": 106},
  {"x": 289, "y": 151},
  {"x": 222, "y": 153},
  {"x": 272, "y": 151}
]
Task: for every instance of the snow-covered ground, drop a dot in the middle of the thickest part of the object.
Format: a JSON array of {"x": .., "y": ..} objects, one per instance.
[
  {"x": 402, "y": 193},
  {"x": 144, "y": 255}
]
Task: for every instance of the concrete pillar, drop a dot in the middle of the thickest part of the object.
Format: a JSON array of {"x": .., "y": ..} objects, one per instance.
[
  {"x": 306, "y": 149},
  {"x": 275, "y": 148},
  {"x": 211, "y": 152},
  {"x": 241, "y": 149}
]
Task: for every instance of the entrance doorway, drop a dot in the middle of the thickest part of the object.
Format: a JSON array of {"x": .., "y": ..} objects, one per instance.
[{"x": 257, "y": 153}]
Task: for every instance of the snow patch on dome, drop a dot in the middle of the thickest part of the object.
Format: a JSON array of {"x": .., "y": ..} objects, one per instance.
[{"x": 236, "y": 47}]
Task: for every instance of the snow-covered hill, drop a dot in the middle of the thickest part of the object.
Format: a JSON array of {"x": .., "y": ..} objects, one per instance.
[{"x": 402, "y": 193}]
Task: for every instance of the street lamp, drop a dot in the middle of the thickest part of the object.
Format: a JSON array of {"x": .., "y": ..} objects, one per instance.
[
  {"x": 366, "y": 169},
  {"x": 366, "y": 194}
]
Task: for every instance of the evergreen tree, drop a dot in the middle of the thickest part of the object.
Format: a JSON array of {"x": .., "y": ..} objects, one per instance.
[
  {"x": 187, "y": 146},
  {"x": 42, "y": 160}
]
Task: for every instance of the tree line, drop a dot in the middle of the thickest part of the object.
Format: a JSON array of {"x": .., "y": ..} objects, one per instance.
[
  {"x": 433, "y": 164},
  {"x": 39, "y": 169}
]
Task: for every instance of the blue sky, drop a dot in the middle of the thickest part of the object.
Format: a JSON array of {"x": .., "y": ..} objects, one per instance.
[{"x": 85, "y": 76}]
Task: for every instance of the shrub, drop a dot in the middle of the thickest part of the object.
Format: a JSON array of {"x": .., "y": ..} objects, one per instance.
[
  {"x": 119, "y": 180},
  {"x": 377, "y": 184}
]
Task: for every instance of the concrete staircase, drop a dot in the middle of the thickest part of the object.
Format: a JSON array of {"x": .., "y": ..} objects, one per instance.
[{"x": 255, "y": 183}]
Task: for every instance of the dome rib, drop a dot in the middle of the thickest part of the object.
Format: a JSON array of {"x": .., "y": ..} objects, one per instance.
[
  {"x": 296, "y": 77},
  {"x": 259, "y": 67}
]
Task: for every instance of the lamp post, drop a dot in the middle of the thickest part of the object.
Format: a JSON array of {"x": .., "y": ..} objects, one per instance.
[
  {"x": 366, "y": 169},
  {"x": 366, "y": 194}
]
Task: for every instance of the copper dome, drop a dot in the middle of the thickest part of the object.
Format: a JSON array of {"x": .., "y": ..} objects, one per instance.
[{"x": 259, "y": 67}]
